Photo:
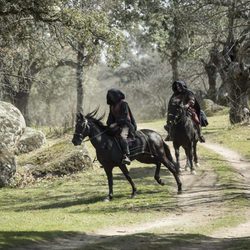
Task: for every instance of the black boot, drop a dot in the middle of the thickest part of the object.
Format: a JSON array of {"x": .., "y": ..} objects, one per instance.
[
  {"x": 125, "y": 160},
  {"x": 200, "y": 136},
  {"x": 125, "y": 150}
]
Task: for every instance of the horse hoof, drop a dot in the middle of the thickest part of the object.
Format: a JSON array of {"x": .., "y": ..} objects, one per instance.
[
  {"x": 197, "y": 164},
  {"x": 179, "y": 192},
  {"x": 107, "y": 199},
  {"x": 162, "y": 183},
  {"x": 193, "y": 172}
]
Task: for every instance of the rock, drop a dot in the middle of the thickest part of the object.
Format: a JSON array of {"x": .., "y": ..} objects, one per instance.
[
  {"x": 12, "y": 125},
  {"x": 7, "y": 167},
  {"x": 210, "y": 107},
  {"x": 59, "y": 159},
  {"x": 74, "y": 162},
  {"x": 30, "y": 140}
]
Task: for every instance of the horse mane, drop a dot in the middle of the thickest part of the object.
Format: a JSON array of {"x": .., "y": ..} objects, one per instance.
[{"x": 96, "y": 120}]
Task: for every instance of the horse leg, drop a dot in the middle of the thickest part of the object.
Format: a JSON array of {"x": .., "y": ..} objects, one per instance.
[
  {"x": 187, "y": 163},
  {"x": 170, "y": 166},
  {"x": 108, "y": 171},
  {"x": 195, "y": 154},
  {"x": 177, "y": 156},
  {"x": 189, "y": 154},
  {"x": 157, "y": 174},
  {"x": 170, "y": 158},
  {"x": 125, "y": 171}
]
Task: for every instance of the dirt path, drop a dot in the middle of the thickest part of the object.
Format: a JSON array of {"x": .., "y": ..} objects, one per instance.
[{"x": 201, "y": 202}]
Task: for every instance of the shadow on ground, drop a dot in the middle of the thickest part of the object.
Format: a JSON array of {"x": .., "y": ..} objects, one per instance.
[{"x": 72, "y": 240}]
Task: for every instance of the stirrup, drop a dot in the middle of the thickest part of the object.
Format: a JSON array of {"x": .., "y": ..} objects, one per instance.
[
  {"x": 126, "y": 160},
  {"x": 202, "y": 139}
]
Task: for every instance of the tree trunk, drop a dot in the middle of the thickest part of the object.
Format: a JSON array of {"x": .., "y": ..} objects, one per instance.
[
  {"x": 238, "y": 81},
  {"x": 174, "y": 65},
  {"x": 48, "y": 111},
  {"x": 21, "y": 100},
  {"x": 79, "y": 80},
  {"x": 211, "y": 71},
  {"x": 20, "y": 97}
]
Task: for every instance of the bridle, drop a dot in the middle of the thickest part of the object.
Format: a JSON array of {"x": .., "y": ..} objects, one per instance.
[
  {"x": 177, "y": 118},
  {"x": 85, "y": 126}
]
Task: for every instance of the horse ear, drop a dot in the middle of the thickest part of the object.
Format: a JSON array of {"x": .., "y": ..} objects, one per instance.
[{"x": 79, "y": 115}]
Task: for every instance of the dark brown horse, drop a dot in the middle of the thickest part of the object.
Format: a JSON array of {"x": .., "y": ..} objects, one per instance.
[
  {"x": 184, "y": 134},
  {"x": 154, "y": 150}
]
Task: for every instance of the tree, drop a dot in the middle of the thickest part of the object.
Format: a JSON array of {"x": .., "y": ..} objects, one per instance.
[
  {"x": 83, "y": 25},
  {"x": 228, "y": 58},
  {"x": 91, "y": 33}
]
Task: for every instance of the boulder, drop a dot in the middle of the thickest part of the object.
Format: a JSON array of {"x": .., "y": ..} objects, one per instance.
[
  {"x": 7, "y": 167},
  {"x": 73, "y": 162},
  {"x": 210, "y": 107},
  {"x": 58, "y": 159},
  {"x": 12, "y": 125},
  {"x": 30, "y": 140}
]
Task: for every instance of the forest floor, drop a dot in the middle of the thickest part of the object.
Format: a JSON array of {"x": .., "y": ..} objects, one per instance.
[{"x": 203, "y": 201}]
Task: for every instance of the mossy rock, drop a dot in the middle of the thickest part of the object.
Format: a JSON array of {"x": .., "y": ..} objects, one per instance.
[
  {"x": 7, "y": 167},
  {"x": 59, "y": 159},
  {"x": 210, "y": 107}
]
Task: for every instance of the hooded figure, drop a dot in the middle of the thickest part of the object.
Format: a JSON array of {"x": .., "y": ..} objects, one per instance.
[
  {"x": 120, "y": 115},
  {"x": 182, "y": 95}
]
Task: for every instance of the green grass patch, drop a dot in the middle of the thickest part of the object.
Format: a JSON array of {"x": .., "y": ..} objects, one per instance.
[
  {"x": 76, "y": 204},
  {"x": 235, "y": 137}
]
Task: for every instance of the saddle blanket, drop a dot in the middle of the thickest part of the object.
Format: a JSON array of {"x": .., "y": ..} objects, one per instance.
[{"x": 139, "y": 144}]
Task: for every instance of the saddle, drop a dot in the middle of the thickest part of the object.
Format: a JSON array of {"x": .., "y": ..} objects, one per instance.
[{"x": 138, "y": 144}]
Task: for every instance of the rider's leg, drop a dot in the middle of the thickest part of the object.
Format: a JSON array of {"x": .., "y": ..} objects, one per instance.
[
  {"x": 201, "y": 137},
  {"x": 197, "y": 126},
  {"x": 124, "y": 145}
]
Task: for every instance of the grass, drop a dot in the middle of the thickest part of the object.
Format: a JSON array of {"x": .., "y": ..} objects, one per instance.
[
  {"x": 73, "y": 205},
  {"x": 236, "y": 137},
  {"x": 76, "y": 204}
]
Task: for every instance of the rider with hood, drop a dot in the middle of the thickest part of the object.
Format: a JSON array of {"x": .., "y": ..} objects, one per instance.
[
  {"x": 183, "y": 95},
  {"x": 120, "y": 115}
]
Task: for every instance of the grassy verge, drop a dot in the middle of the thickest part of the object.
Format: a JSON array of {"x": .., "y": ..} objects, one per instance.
[{"x": 236, "y": 137}]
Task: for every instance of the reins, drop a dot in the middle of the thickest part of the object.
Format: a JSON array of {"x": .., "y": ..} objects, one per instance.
[{"x": 90, "y": 138}]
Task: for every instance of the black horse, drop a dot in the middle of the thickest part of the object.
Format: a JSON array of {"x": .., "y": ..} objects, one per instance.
[
  {"x": 183, "y": 133},
  {"x": 153, "y": 150}
]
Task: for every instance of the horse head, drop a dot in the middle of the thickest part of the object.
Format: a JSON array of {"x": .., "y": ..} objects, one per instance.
[
  {"x": 177, "y": 113},
  {"x": 81, "y": 129}
]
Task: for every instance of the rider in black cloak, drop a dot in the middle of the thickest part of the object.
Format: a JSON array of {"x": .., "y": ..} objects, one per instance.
[
  {"x": 185, "y": 96},
  {"x": 120, "y": 115}
]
